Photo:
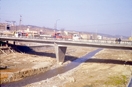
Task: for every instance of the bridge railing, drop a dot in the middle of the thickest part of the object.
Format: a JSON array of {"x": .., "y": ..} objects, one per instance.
[
  {"x": 123, "y": 42},
  {"x": 109, "y": 42}
]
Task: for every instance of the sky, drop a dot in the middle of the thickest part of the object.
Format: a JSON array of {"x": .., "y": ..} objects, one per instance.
[{"x": 112, "y": 17}]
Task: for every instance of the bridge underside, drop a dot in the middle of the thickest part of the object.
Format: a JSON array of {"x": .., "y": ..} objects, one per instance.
[{"x": 59, "y": 52}]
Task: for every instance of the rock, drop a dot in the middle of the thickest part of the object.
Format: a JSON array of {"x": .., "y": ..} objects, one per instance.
[
  {"x": 3, "y": 66},
  {"x": 60, "y": 77},
  {"x": 60, "y": 63},
  {"x": 71, "y": 79},
  {"x": 47, "y": 80},
  {"x": 39, "y": 83}
]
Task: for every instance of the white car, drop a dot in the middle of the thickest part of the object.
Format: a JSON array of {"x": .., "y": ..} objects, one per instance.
[{"x": 76, "y": 37}]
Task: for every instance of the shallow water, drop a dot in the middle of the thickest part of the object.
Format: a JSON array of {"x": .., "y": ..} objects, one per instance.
[{"x": 51, "y": 73}]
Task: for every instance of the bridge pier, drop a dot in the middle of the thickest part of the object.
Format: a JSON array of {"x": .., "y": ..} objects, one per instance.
[
  {"x": 6, "y": 43},
  {"x": 60, "y": 53},
  {"x": 14, "y": 43}
]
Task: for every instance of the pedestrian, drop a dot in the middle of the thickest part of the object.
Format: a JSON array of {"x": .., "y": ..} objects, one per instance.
[{"x": 119, "y": 40}]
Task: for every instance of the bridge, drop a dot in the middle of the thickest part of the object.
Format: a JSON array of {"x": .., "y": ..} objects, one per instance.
[{"x": 61, "y": 45}]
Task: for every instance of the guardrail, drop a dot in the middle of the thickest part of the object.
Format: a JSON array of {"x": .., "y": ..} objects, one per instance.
[{"x": 110, "y": 42}]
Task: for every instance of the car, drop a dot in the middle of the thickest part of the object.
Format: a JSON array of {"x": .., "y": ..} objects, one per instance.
[{"x": 76, "y": 37}]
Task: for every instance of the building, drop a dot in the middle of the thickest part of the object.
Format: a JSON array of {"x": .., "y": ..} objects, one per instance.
[
  {"x": 3, "y": 26},
  {"x": 130, "y": 38}
]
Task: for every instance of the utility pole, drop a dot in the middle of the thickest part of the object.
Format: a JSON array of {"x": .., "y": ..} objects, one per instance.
[
  {"x": 20, "y": 22},
  {"x": 56, "y": 25},
  {"x": 96, "y": 33}
]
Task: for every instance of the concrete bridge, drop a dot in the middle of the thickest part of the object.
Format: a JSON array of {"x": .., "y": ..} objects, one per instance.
[{"x": 61, "y": 45}]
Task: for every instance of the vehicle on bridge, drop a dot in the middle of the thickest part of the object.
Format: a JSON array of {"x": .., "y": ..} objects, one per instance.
[
  {"x": 76, "y": 37},
  {"x": 57, "y": 35}
]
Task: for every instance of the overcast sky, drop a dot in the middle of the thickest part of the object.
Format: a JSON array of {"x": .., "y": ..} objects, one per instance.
[{"x": 102, "y": 16}]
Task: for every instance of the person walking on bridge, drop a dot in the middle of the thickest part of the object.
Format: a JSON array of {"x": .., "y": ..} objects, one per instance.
[{"x": 119, "y": 40}]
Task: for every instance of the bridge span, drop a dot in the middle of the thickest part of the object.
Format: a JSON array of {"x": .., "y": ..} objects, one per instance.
[{"x": 61, "y": 45}]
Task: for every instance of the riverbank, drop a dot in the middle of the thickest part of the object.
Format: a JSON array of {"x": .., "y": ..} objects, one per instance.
[
  {"x": 108, "y": 68},
  {"x": 36, "y": 61}
]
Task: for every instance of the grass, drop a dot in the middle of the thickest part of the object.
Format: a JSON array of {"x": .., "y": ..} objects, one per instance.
[{"x": 117, "y": 80}]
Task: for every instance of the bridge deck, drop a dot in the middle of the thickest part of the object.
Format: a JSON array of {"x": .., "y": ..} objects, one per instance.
[{"x": 90, "y": 43}]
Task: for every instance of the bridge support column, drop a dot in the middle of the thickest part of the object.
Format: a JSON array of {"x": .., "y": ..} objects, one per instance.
[
  {"x": 14, "y": 43},
  {"x": 60, "y": 53},
  {"x": 6, "y": 43}
]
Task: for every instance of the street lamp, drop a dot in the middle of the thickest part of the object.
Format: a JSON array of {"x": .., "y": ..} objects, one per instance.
[
  {"x": 56, "y": 24},
  {"x": 20, "y": 22}
]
